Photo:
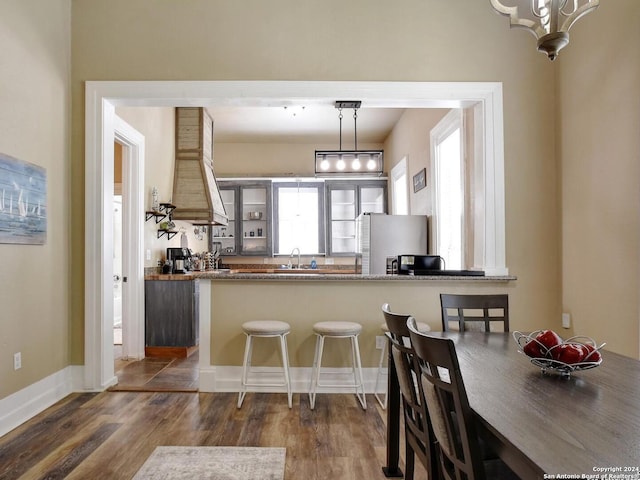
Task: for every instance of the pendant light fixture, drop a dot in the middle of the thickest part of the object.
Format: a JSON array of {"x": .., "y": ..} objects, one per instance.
[
  {"x": 349, "y": 162},
  {"x": 548, "y": 20}
]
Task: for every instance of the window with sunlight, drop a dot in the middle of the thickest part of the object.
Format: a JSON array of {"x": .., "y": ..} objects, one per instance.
[
  {"x": 298, "y": 219},
  {"x": 449, "y": 191},
  {"x": 399, "y": 188}
]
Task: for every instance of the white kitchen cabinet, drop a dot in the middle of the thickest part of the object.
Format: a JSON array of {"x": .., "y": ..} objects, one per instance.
[{"x": 345, "y": 201}]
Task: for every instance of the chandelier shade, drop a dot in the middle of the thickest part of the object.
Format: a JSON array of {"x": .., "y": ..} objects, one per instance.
[{"x": 548, "y": 20}]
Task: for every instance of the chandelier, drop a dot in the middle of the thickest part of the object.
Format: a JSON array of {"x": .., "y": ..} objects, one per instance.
[
  {"x": 343, "y": 162},
  {"x": 548, "y": 20}
]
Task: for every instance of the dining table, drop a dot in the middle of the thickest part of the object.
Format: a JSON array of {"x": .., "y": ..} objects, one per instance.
[{"x": 543, "y": 425}]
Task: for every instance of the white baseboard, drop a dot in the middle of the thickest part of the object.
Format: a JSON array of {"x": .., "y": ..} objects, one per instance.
[
  {"x": 21, "y": 406},
  {"x": 227, "y": 379}
]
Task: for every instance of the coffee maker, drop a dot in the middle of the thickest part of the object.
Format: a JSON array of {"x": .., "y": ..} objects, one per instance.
[{"x": 180, "y": 258}]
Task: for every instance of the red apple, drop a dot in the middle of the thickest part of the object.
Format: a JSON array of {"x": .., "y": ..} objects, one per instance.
[
  {"x": 569, "y": 353},
  {"x": 534, "y": 349},
  {"x": 591, "y": 354},
  {"x": 549, "y": 338}
]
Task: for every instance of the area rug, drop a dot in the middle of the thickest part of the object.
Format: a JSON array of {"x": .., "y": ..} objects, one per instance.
[{"x": 214, "y": 463}]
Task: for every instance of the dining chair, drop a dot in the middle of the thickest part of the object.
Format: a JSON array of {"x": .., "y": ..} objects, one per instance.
[
  {"x": 418, "y": 433},
  {"x": 383, "y": 397},
  {"x": 474, "y": 312},
  {"x": 460, "y": 452}
]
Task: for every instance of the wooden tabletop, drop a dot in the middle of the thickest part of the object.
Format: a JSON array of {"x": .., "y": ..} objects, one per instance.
[{"x": 586, "y": 424}]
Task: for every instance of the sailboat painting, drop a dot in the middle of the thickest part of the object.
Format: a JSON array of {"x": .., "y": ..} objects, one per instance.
[{"x": 23, "y": 202}]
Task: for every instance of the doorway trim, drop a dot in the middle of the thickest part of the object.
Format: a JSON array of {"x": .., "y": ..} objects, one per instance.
[{"x": 101, "y": 98}]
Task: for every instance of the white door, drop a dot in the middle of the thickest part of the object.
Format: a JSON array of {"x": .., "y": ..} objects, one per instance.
[{"x": 117, "y": 262}]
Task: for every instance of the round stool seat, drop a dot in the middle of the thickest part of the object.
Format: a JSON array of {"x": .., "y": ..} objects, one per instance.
[
  {"x": 266, "y": 327},
  {"x": 422, "y": 327},
  {"x": 337, "y": 329}
]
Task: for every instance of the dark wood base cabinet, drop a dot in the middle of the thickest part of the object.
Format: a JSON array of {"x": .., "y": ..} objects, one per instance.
[{"x": 171, "y": 313}]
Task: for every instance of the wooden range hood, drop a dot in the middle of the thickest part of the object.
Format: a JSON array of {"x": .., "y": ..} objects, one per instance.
[{"x": 195, "y": 190}]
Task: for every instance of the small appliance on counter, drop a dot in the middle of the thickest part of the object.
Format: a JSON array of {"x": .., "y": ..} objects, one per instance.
[
  {"x": 429, "y": 265},
  {"x": 410, "y": 264},
  {"x": 180, "y": 259}
]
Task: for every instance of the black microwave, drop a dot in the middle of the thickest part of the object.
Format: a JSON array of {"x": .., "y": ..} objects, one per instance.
[{"x": 419, "y": 264}]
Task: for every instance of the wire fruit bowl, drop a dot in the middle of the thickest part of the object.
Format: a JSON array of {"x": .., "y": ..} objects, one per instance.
[{"x": 548, "y": 364}]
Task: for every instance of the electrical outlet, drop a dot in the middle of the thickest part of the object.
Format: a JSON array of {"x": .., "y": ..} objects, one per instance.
[
  {"x": 328, "y": 261},
  {"x": 380, "y": 340},
  {"x": 148, "y": 254},
  {"x": 566, "y": 320},
  {"x": 17, "y": 361}
]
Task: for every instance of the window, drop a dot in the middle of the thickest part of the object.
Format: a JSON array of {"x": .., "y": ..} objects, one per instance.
[
  {"x": 298, "y": 217},
  {"x": 449, "y": 191},
  {"x": 399, "y": 188}
]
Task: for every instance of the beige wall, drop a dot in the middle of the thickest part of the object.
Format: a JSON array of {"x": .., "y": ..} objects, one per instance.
[
  {"x": 302, "y": 303},
  {"x": 411, "y": 138},
  {"x": 599, "y": 85},
  {"x": 158, "y": 127},
  {"x": 34, "y": 127}
]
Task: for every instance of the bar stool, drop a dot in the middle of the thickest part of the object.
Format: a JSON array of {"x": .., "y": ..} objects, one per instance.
[
  {"x": 349, "y": 330},
  {"x": 382, "y": 372},
  {"x": 265, "y": 329}
]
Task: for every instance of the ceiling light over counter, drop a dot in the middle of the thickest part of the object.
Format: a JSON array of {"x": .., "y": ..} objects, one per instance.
[
  {"x": 345, "y": 162},
  {"x": 548, "y": 20}
]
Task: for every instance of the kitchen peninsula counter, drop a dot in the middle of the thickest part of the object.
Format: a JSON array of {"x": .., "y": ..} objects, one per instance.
[
  {"x": 228, "y": 299},
  {"x": 311, "y": 275}
]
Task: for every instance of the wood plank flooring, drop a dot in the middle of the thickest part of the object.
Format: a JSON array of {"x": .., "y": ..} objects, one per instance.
[
  {"x": 158, "y": 374},
  {"x": 109, "y": 435}
]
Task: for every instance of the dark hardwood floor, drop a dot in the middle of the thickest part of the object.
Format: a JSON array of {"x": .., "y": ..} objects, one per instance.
[{"x": 109, "y": 435}]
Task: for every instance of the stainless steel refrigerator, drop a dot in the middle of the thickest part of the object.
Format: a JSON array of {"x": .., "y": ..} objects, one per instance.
[{"x": 379, "y": 236}]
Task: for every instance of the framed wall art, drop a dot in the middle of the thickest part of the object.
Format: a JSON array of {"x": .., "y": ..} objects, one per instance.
[
  {"x": 420, "y": 180},
  {"x": 23, "y": 202}
]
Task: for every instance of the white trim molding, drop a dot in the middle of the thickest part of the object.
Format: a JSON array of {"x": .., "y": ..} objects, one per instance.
[{"x": 24, "y": 404}]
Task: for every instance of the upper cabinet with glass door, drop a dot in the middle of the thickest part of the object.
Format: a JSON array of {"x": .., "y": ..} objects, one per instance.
[
  {"x": 248, "y": 205},
  {"x": 256, "y": 219},
  {"x": 345, "y": 201}
]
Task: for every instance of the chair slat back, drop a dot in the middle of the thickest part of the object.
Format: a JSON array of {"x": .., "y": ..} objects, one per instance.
[{"x": 474, "y": 312}]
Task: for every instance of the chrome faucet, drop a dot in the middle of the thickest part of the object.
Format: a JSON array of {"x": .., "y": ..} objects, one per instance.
[{"x": 296, "y": 248}]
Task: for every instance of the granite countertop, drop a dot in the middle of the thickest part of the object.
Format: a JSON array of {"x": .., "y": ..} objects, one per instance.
[{"x": 318, "y": 275}]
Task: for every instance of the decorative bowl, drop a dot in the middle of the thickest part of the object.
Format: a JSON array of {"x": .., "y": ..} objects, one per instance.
[
  {"x": 255, "y": 215},
  {"x": 549, "y": 364}
]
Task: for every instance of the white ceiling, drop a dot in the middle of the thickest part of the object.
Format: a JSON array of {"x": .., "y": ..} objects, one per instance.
[{"x": 295, "y": 124}]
